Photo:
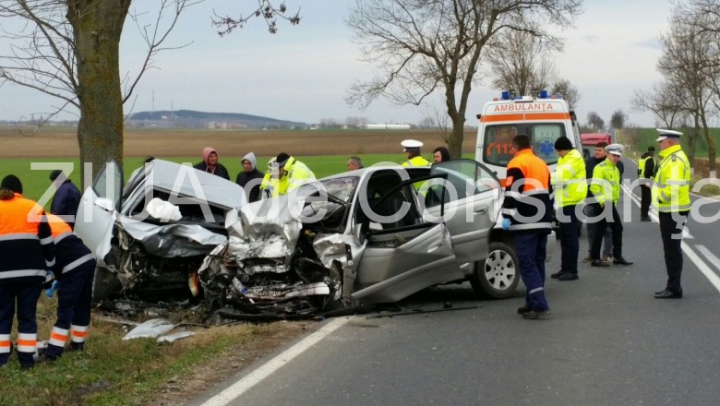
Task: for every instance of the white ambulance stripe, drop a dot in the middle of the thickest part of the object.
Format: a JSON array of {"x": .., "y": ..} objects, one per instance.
[
  {"x": 76, "y": 263},
  {"x": 22, "y": 273}
]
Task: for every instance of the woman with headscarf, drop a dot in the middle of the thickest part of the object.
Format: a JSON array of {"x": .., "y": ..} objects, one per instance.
[{"x": 210, "y": 164}]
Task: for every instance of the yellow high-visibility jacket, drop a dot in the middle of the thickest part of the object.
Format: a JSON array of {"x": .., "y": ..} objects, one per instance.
[
  {"x": 671, "y": 190},
  {"x": 570, "y": 179},
  {"x": 605, "y": 173}
]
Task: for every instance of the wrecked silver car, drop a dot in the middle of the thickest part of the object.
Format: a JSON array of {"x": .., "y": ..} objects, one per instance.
[
  {"x": 375, "y": 235},
  {"x": 151, "y": 236}
]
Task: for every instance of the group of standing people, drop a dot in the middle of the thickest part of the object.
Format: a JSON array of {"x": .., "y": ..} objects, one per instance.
[
  {"x": 284, "y": 173},
  {"x": 527, "y": 209},
  {"x": 39, "y": 250}
]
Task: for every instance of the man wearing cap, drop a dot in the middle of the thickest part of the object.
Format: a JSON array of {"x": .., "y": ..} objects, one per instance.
[
  {"x": 671, "y": 197},
  {"x": 605, "y": 187},
  {"x": 67, "y": 197},
  {"x": 292, "y": 172},
  {"x": 570, "y": 191},
  {"x": 646, "y": 171},
  {"x": 412, "y": 148}
]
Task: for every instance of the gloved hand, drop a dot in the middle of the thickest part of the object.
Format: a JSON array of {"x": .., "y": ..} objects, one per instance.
[
  {"x": 506, "y": 224},
  {"x": 49, "y": 278},
  {"x": 49, "y": 292}
]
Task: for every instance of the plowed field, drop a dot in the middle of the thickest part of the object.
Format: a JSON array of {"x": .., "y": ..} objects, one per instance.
[{"x": 62, "y": 143}]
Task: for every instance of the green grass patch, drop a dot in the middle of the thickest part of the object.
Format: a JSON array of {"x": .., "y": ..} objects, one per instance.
[
  {"x": 115, "y": 372},
  {"x": 37, "y": 182}
]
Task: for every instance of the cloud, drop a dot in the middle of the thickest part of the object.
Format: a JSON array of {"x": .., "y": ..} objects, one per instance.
[{"x": 652, "y": 43}]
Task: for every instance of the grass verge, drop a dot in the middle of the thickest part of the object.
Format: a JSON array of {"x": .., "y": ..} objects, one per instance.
[{"x": 138, "y": 372}]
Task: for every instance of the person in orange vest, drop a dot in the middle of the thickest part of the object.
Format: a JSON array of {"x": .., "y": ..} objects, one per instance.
[
  {"x": 26, "y": 254},
  {"x": 527, "y": 214},
  {"x": 74, "y": 270}
]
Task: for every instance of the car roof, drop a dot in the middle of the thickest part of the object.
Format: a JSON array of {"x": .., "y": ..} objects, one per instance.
[
  {"x": 216, "y": 190},
  {"x": 372, "y": 169}
]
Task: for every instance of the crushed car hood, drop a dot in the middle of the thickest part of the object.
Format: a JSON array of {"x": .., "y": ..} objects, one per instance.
[{"x": 172, "y": 240}]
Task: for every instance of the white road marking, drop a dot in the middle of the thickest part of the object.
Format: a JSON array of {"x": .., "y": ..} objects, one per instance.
[
  {"x": 709, "y": 255},
  {"x": 699, "y": 263},
  {"x": 243, "y": 385},
  {"x": 652, "y": 214},
  {"x": 702, "y": 266}
]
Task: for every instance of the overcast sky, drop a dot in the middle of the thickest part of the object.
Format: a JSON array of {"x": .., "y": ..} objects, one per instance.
[{"x": 303, "y": 72}]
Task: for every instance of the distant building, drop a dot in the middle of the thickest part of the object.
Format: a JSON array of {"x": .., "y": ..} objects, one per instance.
[{"x": 388, "y": 126}]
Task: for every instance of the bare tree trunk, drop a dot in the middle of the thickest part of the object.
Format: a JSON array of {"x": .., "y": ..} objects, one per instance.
[
  {"x": 455, "y": 140},
  {"x": 711, "y": 146},
  {"x": 98, "y": 25},
  {"x": 692, "y": 141}
]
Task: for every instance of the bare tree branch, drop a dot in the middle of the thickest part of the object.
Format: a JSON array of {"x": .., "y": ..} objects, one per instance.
[{"x": 422, "y": 46}]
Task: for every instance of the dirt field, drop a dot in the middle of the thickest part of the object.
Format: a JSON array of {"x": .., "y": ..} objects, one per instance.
[{"x": 50, "y": 143}]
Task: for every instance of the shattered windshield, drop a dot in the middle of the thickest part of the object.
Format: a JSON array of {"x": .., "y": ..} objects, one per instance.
[
  {"x": 341, "y": 188},
  {"x": 329, "y": 213}
]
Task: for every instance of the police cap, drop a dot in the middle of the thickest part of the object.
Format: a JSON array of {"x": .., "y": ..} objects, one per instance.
[
  {"x": 615, "y": 149},
  {"x": 665, "y": 134},
  {"x": 411, "y": 145}
]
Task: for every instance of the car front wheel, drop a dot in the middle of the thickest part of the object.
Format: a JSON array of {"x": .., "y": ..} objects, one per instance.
[{"x": 498, "y": 276}]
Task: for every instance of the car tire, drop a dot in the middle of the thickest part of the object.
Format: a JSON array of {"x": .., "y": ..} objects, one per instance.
[
  {"x": 105, "y": 284},
  {"x": 497, "y": 277}
]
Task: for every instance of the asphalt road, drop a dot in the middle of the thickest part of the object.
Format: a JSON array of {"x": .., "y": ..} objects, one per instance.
[{"x": 608, "y": 342}]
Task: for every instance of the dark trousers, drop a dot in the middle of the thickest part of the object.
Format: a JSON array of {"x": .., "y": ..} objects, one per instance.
[
  {"x": 591, "y": 226},
  {"x": 530, "y": 249},
  {"x": 645, "y": 197},
  {"x": 601, "y": 226},
  {"x": 26, "y": 295},
  {"x": 74, "y": 303},
  {"x": 671, "y": 232},
  {"x": 569, "y": 240}
]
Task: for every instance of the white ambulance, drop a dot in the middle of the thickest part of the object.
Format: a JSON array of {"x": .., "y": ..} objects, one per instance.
[{"x": 544, "y": 119}]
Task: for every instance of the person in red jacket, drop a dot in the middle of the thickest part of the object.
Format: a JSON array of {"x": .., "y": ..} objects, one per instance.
[
  {"x": 26, "y": 253},
  {"x": 74, "y": 270}
]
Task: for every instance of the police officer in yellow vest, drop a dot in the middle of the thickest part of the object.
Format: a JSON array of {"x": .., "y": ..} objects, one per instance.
[
  {"x": 646, "y": 171},
  {"x": 412, "y": 148},
  {"x": 570, "y": 190},
  {"x": 270, "y": 185},
  {"x": 605, "y": 187},
  {"x": 293, "y": 173},
  {"x": 671, "y": 197}
]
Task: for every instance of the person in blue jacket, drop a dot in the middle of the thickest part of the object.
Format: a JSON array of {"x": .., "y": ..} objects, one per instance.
[{"x": 67, "y": 198}]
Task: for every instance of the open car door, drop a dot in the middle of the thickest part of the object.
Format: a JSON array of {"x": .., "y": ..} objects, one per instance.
[
  {"x": 98, "y": 210},
  {"x": 403, "y": 254},
  {"x": 468, "y": 201}
]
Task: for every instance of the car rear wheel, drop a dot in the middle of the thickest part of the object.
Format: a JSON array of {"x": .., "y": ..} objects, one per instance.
[{"x": 497, "y": 277}]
